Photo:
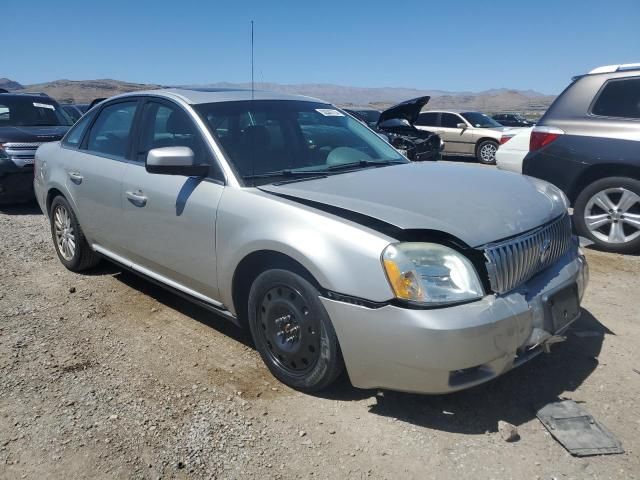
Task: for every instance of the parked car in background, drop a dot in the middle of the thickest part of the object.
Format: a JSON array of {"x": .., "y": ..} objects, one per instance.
[
  {"x": 73, "y": 111},
  {"x": 368, "y": 115},
  {"x": 464, "y": 133},
  {"x": 293, "y": 219},
  {"x": 512, "y": 150},
  {"x": 26, "y": 122},
  {"x": 588, "y": 144},
  {"x": 397, "y": 124},
  {"x": 95, "y": 102},
  {"x": 512, "y": 120},
  {"x": 83, "y": 107}
]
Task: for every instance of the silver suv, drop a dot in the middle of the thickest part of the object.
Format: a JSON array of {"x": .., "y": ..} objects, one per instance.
[
  {"x": 468, "y": 134},
  {"x": 292, "y": 218}
]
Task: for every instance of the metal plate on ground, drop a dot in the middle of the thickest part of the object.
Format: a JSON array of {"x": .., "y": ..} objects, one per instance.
[{"x": 577, "y": 430}]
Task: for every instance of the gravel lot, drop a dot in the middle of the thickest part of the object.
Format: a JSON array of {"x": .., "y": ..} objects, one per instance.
[{"x": 104, "y": 375}]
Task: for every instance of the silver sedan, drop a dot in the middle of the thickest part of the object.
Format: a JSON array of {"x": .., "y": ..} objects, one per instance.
[{"x": 294, "y": 220}]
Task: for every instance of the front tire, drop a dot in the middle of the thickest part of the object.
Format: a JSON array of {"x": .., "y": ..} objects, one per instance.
[
  {"x": 70, "y": 243},
  {"x": 607, "y": 212},
  {"x": 292, "y": 331},
  {"x": 486, "y": 152}
]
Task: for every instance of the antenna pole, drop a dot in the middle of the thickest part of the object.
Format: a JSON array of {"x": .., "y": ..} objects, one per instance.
[{"x": 252, "y": 86}]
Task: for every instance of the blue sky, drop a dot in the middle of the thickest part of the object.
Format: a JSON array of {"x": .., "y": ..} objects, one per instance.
[{"x": 449, "y": 45}]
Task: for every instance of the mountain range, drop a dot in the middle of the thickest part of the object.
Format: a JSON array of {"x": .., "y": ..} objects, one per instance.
[{"x": 495, "y": 100}]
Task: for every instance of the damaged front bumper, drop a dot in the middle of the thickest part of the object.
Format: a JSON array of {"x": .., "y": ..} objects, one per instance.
[{"x": 447, "y": 349}]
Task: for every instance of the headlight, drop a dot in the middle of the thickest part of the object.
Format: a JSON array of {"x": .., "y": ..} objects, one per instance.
[
  {"x": 430, "y": 274},
  {"x": 3, "y": 154}
]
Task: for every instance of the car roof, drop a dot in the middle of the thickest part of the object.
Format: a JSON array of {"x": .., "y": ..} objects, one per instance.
[
  {"x": 615, "y": 68},
  {"x": 30, "y": 95},
  {"x": 195, "y": 96},
  {"x": 449, "y": 110}
]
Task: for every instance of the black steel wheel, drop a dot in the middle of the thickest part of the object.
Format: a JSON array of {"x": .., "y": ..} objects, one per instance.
[{"x": 292, "y": 331}]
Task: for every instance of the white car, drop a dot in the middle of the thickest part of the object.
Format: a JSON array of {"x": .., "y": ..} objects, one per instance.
[{"x": 511, "y": 153}]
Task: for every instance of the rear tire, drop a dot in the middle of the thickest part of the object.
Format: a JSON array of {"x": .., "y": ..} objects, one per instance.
[
  {"x": 607, "y": 212},
  {"x": 486, "y": 152},
  {"x": 292, "y": 331},
  {"x": 70, "y": 243}
]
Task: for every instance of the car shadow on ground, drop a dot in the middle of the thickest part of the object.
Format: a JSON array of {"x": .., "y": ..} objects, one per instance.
[
  {"x": 175, "y": 302},
  {"x": 30, "y": 208},
  {"x": 513, "y": 397}
]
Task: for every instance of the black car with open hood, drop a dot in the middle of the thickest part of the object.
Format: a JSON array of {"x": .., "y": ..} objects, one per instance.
[{"x": 397, "y": 124}]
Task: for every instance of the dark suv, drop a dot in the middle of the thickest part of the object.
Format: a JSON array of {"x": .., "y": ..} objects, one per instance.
[
  {"x": 512, "y": 120},
  {"x": 26, "y": 122},
  {"x": 588, "y": 144}
]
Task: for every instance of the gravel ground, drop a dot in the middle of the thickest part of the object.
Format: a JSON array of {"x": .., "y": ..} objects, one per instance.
[{"x": 104, "y": 375}]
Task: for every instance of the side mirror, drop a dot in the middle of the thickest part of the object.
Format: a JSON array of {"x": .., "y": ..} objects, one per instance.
[
  {"x": 174, "y": 161},
  {"x": 461, "y": 125}
]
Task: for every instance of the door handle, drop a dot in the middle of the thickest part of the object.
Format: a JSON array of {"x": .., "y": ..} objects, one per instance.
[
  {"x": 75, "y": 177},
  {"x": 137, "y": 198}
]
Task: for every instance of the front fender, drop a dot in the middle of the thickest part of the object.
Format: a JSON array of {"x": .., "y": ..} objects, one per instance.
[{"x": 341, "y": 255}]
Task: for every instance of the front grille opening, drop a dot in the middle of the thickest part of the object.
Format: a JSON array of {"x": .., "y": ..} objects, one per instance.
[
  {"x": 459, "y": 378},
  {"x": 514, "y": 261}
]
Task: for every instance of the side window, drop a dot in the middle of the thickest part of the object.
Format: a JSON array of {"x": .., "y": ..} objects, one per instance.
[
  {"x": 74, "y": 136},
  {"x": 165, "y": 125},
  {"x": 449, "y": 120},
  {"x": 619, "y": 98},
  {"x": 5, "y": 114},
  {"x": 111, "y": 132},
  {"x": 427, "y": 119}
]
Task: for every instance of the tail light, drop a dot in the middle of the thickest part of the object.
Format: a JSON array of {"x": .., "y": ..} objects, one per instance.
[
  {"x": 505, "y": 138},
  {"x": 542, "y": 136}
]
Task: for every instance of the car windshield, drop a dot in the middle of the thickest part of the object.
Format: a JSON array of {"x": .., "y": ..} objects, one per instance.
[
  {"x": 480, "y": 120},
  {"x": 17, "y": 111},
  {"x": 266, "y": 140}
]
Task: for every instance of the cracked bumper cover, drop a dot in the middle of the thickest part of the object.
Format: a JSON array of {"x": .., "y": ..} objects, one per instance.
[{"x": 447, "y": 349}]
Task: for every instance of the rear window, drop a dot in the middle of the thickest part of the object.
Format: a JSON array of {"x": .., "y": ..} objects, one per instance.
[
  {"x": 619, "y": 98},
  {"x": 18, "y": 111}
]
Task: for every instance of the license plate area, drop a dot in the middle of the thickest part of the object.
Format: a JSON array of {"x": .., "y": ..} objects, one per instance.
[{"x": 563, "y": 307}]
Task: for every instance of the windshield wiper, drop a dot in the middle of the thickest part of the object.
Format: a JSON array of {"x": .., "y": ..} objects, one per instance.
[
  {"x": 362, "y": 163},
  {"x": 283, "y": 173}
]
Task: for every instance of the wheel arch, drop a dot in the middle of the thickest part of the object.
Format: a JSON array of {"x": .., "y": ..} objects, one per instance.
[
  {"x": 599, "y": 172},
  {"x": 51, "y": 194},
  {"x": 484, "y": 139},
  {"x": 253, "y": 265}
]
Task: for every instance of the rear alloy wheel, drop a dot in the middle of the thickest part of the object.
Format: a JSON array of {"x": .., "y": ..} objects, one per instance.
[
  {"x": 608, "y": 213},
  {"x": 292, "y": 331},
  {"x": 486, "y": 152},
  {"x": 71, "y": 246}
]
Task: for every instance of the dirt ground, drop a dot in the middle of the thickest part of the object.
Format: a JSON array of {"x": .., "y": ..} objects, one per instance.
[{"x": 104, "y": 375}]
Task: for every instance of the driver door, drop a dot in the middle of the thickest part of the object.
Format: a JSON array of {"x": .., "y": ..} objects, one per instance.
[{"x": 171, "y": 219}]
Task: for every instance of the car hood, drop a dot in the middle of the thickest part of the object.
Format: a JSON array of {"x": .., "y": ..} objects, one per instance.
[
  {"x": 409, "y": 110},
  {"x": 32, "y": 134},
  {"x": 478, "y": 205}
]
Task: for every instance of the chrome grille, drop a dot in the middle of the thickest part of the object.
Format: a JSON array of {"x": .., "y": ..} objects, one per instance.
[
  {"x": 22, "y": 146},
  {"x": 514, "y": 261}
]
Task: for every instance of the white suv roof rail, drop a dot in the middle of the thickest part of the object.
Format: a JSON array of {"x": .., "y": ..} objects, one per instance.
[{"x": 615, "y": 68}]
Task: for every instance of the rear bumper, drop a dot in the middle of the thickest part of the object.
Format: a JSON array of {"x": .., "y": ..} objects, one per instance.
[{"x": 448, "y": 349}]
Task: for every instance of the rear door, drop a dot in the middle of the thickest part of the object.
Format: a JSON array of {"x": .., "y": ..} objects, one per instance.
[
  {"x": 94, "y": 170},
  {"x": 170, "y": 220}
]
